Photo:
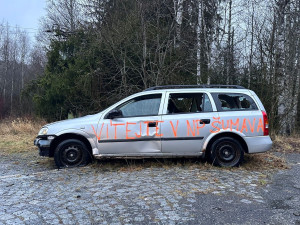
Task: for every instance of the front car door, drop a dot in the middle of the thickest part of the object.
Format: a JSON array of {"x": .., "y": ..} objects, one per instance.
[
  {"x": 188, "y": 118},
  {"x": 137, "y": 131}
]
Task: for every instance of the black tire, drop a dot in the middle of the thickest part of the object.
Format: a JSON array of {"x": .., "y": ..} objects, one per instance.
[
  {"x": 226, "y": 152},
  {"x": 71, "y": 153}
]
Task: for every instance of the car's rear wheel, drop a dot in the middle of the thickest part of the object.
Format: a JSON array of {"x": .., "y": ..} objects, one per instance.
[
  {"x": 226, "y": 152},
  {"x": 71, "y": 153}
]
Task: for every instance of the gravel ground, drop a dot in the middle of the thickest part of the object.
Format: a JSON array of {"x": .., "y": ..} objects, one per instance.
[{"x": 32, "y": 191}]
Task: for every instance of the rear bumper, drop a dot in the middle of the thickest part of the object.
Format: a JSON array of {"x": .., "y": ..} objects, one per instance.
[
  {"x": 43, "y": 145},
  {"x": 258, "y": 144}
]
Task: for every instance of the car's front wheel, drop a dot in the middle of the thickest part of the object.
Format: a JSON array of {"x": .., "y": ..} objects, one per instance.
[
  {"x": 226, "y": 152},
  {"x": 71, "y": 153}
]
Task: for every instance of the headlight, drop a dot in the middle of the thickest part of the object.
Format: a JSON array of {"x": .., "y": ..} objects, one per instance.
[{"x": 43, "y": 131}]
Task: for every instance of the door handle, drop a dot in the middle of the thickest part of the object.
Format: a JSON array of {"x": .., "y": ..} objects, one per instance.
[
  {"x": 204, "y": 121},
  {"x": 152, "y": 124}
]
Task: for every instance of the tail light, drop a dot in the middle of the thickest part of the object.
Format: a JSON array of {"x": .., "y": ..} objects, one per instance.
[{"x": 266, "y": 123}]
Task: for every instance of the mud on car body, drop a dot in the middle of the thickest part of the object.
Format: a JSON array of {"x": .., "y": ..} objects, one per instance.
[{"x": 219, "y": 122}]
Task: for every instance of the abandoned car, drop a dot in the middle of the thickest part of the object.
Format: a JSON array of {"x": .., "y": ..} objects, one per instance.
[{"x": 219, "y": 122}]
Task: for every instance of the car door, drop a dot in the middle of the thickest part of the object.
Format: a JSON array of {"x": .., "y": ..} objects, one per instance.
[
  {"x": 137, "y": 131},
  {"x": 188, "y": 118}
]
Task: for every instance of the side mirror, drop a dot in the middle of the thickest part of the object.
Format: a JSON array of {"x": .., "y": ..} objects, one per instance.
[{"x": 115, "y": 113}]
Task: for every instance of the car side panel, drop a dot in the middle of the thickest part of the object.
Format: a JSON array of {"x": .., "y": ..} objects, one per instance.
[
  {"x": 129, "y": 135},
  {"x": 250, "y": 123},
  {"x": 183, "y": 133},
  {"x": 258, "y": 144}
]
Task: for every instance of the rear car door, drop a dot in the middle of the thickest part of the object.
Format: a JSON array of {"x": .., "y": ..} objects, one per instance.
[
  {"x": 137, "y": 131},
  {"x": 187, "y": 119}
]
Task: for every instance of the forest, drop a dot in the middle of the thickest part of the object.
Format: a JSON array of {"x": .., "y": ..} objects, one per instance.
[{"x": 88, "y": 54}]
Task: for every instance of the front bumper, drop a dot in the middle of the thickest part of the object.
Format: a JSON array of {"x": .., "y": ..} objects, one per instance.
[{"x": 43, "y": 143}]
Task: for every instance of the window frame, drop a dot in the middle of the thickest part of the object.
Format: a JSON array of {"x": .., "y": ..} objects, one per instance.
[
  {"x": 165, "y": 110},
  {"x": 218, "y": 103},
  {"x": 126, "y": 100}
]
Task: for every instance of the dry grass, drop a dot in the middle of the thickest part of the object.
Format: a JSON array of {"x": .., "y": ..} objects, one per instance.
[
  {"x": 286, "y": 144},
  {"x": 138, "y": 164},
  {"x": 20, "y": 126},
  {"x": 264, "y": 161},
  {"x": 17, "y": 135}
]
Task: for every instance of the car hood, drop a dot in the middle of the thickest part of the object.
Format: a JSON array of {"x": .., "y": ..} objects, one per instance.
[{"x": 77, "y": 123}]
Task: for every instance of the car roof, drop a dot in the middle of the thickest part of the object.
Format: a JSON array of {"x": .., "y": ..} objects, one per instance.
[{"x": 195, "y": 88}]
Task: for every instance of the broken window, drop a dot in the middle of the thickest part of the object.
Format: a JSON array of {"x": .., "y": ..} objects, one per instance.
[
  {"x": 229, "y": 102},
  {"x": 188, "y": 103}
]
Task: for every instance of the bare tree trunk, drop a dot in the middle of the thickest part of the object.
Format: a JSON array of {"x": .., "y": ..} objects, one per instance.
[
  {"x": 123, "y": 72},
  {"x": 228, "y": 44},
  {"x": 280, "y": 69},
  {"x": 292, "y": 64},
  {"x": 144, "y": 60},
  {"x": 297, "y": 95},
  {"x": 251, "y": 46},
  {"x": 198, "y": 31},
  {"x": 6, "y": 61},
  {"x": 208, "y": 65},
  {"x": 178, "y": 8},
  {"x": 11, "y": 94},
  {"x": 271, "y": 76}
]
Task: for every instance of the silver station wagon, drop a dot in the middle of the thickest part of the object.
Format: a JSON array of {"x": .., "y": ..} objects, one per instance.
[{"x": 219, "y": 122}]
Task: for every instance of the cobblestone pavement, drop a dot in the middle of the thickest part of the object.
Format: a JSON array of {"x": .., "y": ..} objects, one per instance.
[{"x": 39, "y": 194}]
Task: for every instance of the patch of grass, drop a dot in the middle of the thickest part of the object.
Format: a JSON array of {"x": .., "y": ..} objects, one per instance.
[
  {"x": 16, "y": 143},
  {"x": 264, "y": 162},
  {"x": 286, "y": 144},
  {"x": 21, "y": 126},
  {"x": 253, "y": 162},
  {"x": 137, "y": 164},
  {"x": 16, "y": 136},
  {"x": 262, "y": 182}
]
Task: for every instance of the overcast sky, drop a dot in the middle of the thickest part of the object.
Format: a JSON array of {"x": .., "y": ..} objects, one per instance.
[{"x": 24, "y": 13}]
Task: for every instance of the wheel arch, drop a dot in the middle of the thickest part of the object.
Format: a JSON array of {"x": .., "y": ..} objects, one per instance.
[
  {"x": 234, "y": 135},
  {"x": 67, "y": 136}
]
